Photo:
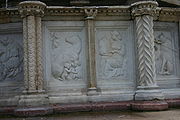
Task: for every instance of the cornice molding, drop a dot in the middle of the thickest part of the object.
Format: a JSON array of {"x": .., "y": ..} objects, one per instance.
[
  {"x": 9, "y": 12},
  {"x": 169, "y": 14},
  {"x": 166, "y": 11},
  {"x": 102, "y": 11}
]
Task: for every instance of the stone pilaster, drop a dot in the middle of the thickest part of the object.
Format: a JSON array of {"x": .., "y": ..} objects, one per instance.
[
  {"x": 143, "y": 13},
  {"x": 31, "y": 12},
  {"x": 91, "y": 58}
]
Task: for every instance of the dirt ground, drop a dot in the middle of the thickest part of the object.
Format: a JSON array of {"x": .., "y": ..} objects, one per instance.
[{"x": 173, "y": 114}]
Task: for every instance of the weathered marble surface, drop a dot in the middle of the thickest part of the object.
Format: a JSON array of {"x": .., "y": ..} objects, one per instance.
[
  {"x": 115, "y": 57},
  {"x": 115, "y": 60},
  {"x": 11, "y": 59},
  {"x": 65, "y": 56},
  {"x": 167, "y": 54},
  {"x": 11, "y": 56},
  {"x": 83, "y": 46}
]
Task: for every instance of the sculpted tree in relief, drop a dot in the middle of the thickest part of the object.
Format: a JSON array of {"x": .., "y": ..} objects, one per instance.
[{"x": 66, "y": 52}]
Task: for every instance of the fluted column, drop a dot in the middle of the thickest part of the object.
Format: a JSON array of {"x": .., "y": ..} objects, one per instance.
[
  {"x": 31, "y": 13},
  {"x": 91, "y": 58},
  {"x": 143, "y": 13}
]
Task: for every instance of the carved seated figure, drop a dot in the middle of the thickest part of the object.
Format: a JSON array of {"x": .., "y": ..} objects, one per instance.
[
  {"x": 112, "y": 55},
  {"x": 163, "y": 54}
]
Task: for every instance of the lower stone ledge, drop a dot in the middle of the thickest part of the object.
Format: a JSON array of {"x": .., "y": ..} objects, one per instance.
[
  {"x": 111, "y": 106},
  {"x": 173, "y": 103},
  {"x": 71, "y": 108},
  {"x": 7, "y": 110},
  {"x": 35, "y": 111},
  {"x": 149, "y": 105},
  {"x": 100, "y": 106}
]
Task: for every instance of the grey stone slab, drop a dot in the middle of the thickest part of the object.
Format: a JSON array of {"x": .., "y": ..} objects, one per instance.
[
  {"x": 115, "y": 55},
  {"x": 65, "y": 62},
  {"x": 11, "y": 60},
  {"x": 167, "y": 54}
]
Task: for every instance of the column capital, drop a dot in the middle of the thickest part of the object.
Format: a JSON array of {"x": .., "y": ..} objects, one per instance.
[
  {"x": 34, "y": 8},
  {"x": 144, "y": 8},
  {"x": 90, "y": 13}
]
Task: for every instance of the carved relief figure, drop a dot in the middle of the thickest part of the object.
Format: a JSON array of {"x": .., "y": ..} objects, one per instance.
[
  {"x": 65, "y": 57},
  {"x": 11, "y": 58},
  {"x": 112, "y": 52},
  {"x": 163, "y": 54}
]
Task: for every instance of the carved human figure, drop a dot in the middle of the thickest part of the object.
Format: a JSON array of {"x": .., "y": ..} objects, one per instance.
[
  {"x": 163, "y": 52},
  {"x": 10, "y": 58},
  {"x": 66, "y": 64},
  {"x": 112, "y": 51}
]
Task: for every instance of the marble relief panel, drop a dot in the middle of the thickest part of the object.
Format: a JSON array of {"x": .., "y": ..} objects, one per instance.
[
  {"x": 65, "y": 56},
  {"x": 114, "y": 55},
  {"x": 11, "y": 59},
  {"x": 167, "y": 54},
  {"x": 164, "y": 51}
]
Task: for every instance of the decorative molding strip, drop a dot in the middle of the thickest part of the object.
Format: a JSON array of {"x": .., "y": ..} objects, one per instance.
[
  {"x": 102, "y": 10},
  {"x": 169, "y": 14},
  {"x": 166, "y": 11},
  {"x": 174, "y": 13},
  {"x": 53, "y": 11},
  {"x": 9, "y": 12}
]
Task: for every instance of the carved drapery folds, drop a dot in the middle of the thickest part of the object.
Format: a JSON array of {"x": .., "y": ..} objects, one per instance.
[
  {"x": 31, "y": 12},
  {"x": 91, "y": 58},
  {"x": 143, "y": 13}
]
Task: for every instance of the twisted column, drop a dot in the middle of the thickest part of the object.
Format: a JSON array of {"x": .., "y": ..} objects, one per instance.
[
  {"x": 143, "y": 13},
  {"x": 31, "y": 12},
  {"x": 91, "y": 58},
  {"x": 145, "y": 44}
]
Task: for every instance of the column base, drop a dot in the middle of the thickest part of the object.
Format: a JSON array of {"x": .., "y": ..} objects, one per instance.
[
  {"x": 33, "y": 98},
  {"x": 149, "y": 93},
  {"x": 93, "y": 91}
]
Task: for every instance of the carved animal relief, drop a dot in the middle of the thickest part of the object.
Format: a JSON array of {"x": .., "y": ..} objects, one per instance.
[
  {"x": 66, "y": 50},
  {"x": 164, "y": 51},
  {"x": 11, "y": 58},
  {"x": 112, "y": 54}
]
